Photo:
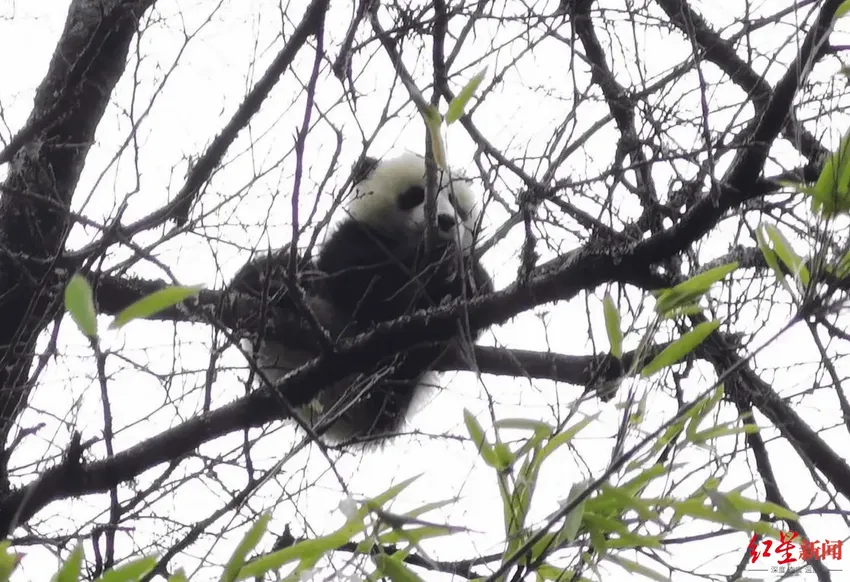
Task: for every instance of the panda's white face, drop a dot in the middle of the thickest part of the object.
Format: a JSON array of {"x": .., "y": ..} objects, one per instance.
[{"x": 391, "y": 199}]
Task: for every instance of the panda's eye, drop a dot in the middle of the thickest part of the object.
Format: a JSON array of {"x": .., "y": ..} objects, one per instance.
[{"x": 411, "y": 198}]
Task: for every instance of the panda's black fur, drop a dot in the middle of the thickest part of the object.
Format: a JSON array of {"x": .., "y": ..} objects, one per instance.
[{"x": 375, "y": 267}]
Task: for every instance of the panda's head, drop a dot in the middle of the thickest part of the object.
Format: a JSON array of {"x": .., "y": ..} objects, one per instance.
[{"x": 390, "y": 198}]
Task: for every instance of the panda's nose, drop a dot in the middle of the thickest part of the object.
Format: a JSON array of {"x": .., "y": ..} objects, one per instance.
[{"x": 446, "y": 222}]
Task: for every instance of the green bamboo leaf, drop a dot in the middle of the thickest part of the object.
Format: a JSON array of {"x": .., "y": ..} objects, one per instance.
[
  {"x": 303, "y": 552},
  {"x": 787, "y": 255},
  {"x": 631, "y": 540},
  {"x": 8, "y": 561},
  {"x": 557, "y": 573},
  {"x": 612, "y": 325},
  {"x": 669, "y": 301},
  {"x": 772, "y": 260},
  {"x": 516, "y": 504},
  {"x": 843, "y": 267},
  {"x": 248, "y": 543},
  {"x": 638, "y": 415},
  {"x": 439, "y": 149},
  {"x": 458, "y": 105},
  {"x": 721, "y": 431},
  {"x": 598, "y": 541},
  {"x": 154, "y": 303},
  {"x": 79, "y": 302},
  {"x": 391, "y": 493},
  {"x": 727, "y": 509},
  {"x": 842, "y": 10},
  {"x": 535, "y": 426},
  {"x": 566, "y": 436},
  {"x": 434, "y": 122},
  {"x": 638, "y": 483},
  {"x": 415, "y": 535},
  {"x": 423, "y": 509},
  {"x": 635, "y": 568},
  {"x": 687, "y": 291},
  {"x": 605, "y": 525},
  {"x": 682, "y": 311},
  {"x": 764, "y": 529},
  {"x": 70, "y": 570},
  {"x": 618, "y": 501},
  {"x": 830, "y": 192},
  {"x": 798, "y": 186},
  {"x": 532, "y": 444},
  {"x": 544, "y": 544},
  {"x": 701, "y": 410},
  {"x": 574, "y": 518},
  {"x": 748, "y": 505},
  {"x": 680, "y": 348},
  {"x": 697, "y": 509},
  {"x": 394, "y": 568},
  {"x": 504, "y": 457},
  {"x": 706, "y": 279},
  {"x": 130, "y": 572},
  {"x": 807, "y": 189},
  {"x": 476, "y": 433},
  {"x": 670, "y": 434},
  {"x": 308, "y": 552}
]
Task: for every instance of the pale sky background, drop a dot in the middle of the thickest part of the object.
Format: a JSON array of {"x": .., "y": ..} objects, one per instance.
[{"x": 227, "y": 53}]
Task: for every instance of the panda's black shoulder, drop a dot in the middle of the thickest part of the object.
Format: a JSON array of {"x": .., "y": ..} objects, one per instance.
[{"x": 352, "y": 243}]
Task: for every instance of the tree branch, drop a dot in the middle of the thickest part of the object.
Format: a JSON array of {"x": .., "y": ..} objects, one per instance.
[{"x": 50, "y": 152}]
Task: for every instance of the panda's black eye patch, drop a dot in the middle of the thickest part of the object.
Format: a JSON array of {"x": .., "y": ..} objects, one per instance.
[{"x": 411, "y": 198}]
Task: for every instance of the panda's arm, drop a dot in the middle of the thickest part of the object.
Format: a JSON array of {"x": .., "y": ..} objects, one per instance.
[
  {"x": 358, "y": 274},
  {"x": 477, "y": 282},
  {"x": 266, "y": 277},
  {"x": 446, "y": 281}
]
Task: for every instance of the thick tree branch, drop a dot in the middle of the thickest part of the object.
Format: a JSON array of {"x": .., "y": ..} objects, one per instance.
[
  {"x": 50, "y": 153},
  {"x": 237, "y": 312},
  {"x": 585, "y": 269},
  {"x": 72, "y": 477}
]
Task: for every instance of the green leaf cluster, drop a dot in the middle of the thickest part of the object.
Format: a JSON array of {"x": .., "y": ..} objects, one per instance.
[
  {"x": 604, "y": 519},
  {"x": 79, "y": 303},
  {"x": 457, "y": 108}
]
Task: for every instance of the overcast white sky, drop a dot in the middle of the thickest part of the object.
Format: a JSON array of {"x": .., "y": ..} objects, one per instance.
[{"x": 159, "y": 378}]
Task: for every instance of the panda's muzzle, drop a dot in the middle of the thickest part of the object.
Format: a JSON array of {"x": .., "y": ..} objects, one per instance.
[{"x": 446, "y": 223}]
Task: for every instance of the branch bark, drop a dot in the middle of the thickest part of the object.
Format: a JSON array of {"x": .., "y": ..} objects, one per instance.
[{"x": 48, "y": 159}]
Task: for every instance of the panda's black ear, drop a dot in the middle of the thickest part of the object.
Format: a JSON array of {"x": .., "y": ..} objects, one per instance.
[{"x": 363, "y": 168}]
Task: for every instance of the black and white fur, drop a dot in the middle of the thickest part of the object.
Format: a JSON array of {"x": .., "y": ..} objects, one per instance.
[{"x": 375, "y": 267}]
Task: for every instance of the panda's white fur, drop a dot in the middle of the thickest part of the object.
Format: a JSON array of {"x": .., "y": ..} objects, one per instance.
[
  {"x": 375, "y": 200},
  {"x": 375, "y": 268}
]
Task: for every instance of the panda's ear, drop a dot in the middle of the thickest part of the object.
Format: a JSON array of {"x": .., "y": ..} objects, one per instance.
[{"x": 363, "y": 169}]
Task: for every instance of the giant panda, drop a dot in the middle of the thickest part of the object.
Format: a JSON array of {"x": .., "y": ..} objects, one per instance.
[{"x": 376, "y": 267}]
